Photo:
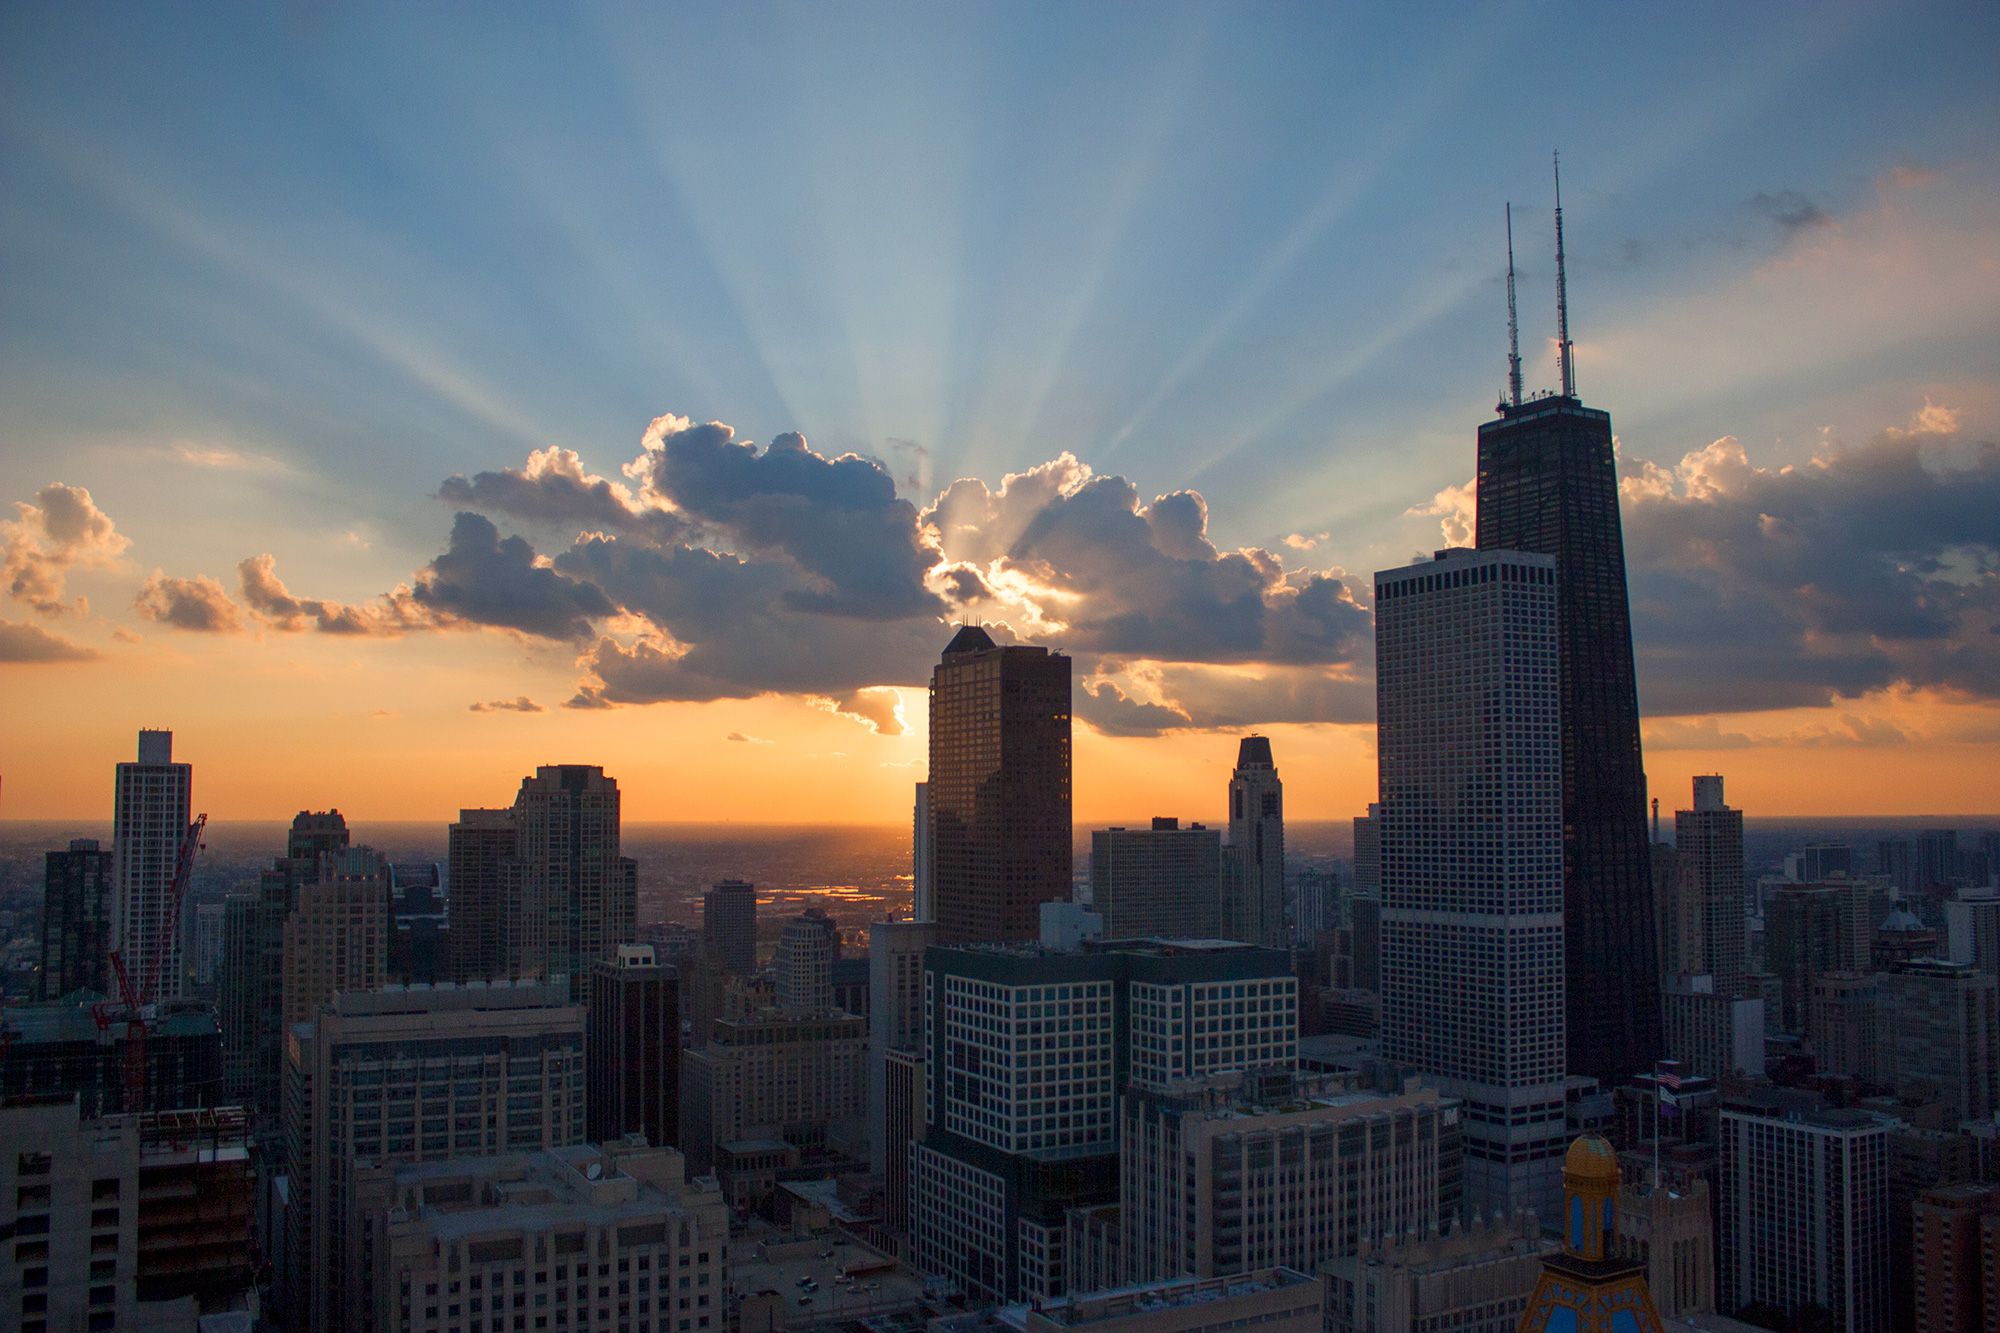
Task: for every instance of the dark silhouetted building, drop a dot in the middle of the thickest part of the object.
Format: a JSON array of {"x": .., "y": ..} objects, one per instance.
[
  {"x": 1705, "y": 899},
  {"x": 1253, "y": 911},
  {"x": 578, "y": 898},
  {"x": 76, "y": 921},
  {"x": 68, "y": 1048},
  {"x": 478, "y": 849},
  {"x": 632, "y": 1048},
  {"x": 729, "y": 926},
  {"x": 1164, "y": 881},
  {"x": 419, "y": 927},
  {"x": 999, "y": 787}
]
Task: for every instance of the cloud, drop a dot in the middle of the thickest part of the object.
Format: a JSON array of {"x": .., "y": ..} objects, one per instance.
[
  {"x": 198, "y": 604},
  {"x": 1298, "y": 541},
  {"x": 1110, "y": 710},
  {"x": 482, "y": 579},
  {"x": 878, "y": 707},
  {"x": 741, "y": 739},
  {"x": 553, "y": 490},
  {"x": 1870, "y": 566},
  {"x": 1457, "y": 510},
  {"x": 61, "y": 530},
  {"x": 523, "y": 704},
  {"x": 265, "y": 593},
  {"x": 225, "y": 459},
  {"x": 21, "y": 642},
  {"x": 1790, "y": 211}
]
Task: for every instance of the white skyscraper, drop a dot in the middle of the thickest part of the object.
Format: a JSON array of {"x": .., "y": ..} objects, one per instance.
[
  {"x": 149, "y": 819},
  {"x": 1471, "y": 857},
  {"x": 1253, "y": 904}
]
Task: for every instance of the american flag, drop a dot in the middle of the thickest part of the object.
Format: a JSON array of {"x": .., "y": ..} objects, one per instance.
[{"x": 1668, "y": 1084}]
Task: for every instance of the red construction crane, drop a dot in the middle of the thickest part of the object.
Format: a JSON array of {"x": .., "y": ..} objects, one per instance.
[{"x": 137, "y": 1000}]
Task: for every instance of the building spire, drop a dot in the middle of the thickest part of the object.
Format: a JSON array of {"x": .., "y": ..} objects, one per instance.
[
  {"x": 1513, "y": 321},
  {"x": 1565, "y": 349}
]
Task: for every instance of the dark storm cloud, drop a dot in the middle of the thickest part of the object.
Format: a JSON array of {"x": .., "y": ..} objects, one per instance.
[
  {"x": 1869, "y": 567},
  {"x": 484, "y": 579},
  {"x": 1110, "y": 710},
  {"x": 554, "y": 491}
]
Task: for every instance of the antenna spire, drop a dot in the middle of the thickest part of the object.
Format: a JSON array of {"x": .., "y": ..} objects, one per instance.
[
  {"x": 1513, "y": 321},
  {"x": 1565, "y": 349}
]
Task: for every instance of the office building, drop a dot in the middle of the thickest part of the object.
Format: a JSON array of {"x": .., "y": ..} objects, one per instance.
[
  {"x": 1593, "y": 1282},
  {"x": 1255, "y": 912},
  {"x": 1469, "y": 747},
  {"x": 130, "y": 1221},
  {"x": 578, "y": 895},
  {"x": 999, "y": 786},
  {"x": 1955, "y": 1259},
  {"x": 415, "y": 1074},
  {"x": 1274, "y": 1300},
  {"x": 895, "y": 1020},
  {"x": 729, "y": 926},
  {"x": 204, "y": 951},
  {"x": 150, "y": 814},
  {"x": 1026, "y": 1050},
  {"x": 604, "y": 1236},
  {"x": 337, "y": 937},
  {"x": 1804, "y": 1209},
  {"x": 1810, "y": 929},
  {"x": 1163, "y": 882},
  {"x": 1712, "y": 1032},
  {"x": 1940, "y": 1034},
  {"x": 1842, "y": 1024},
  {"x": 1368, "y": 852},
  {"x": 1273, "y": 1169},
  {"x": 795, "y": 1078},
  {"x": 70, "y": 1048},
  {"x": 1818, "y": 862},
  {"x": 1936, "y": 859},
  {"x": 1707, "y": 895},
  {"x": 419, "y": 924},
  {"x": 1972, "y": 929},
  {"x": 1548, "y": 483},
  {"x": 923, "y": 863},
  {"x": 901, "y": 1127},
  {"x": 76, "y": 921},
  {"x": 632, "y": 1044},
  {"x": 485, "y": 936},
  {"x": 1473, "y": 1278},
  {"x": 807, "y": 947},
  {"x": 1317, "y": 904}
]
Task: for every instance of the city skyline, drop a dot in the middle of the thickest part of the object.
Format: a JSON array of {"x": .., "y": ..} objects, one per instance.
[{"x": 342, "y": 438}]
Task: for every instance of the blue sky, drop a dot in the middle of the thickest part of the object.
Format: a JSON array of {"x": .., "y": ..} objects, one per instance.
[{"x": 271, "y": 274}]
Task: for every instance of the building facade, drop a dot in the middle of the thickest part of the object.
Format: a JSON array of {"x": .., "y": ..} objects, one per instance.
[
  {"x": 632, "y": 1045},
  {"x": 1470, "y": 750},
  {"x": 1706, "y": 902},
  {"x": 998, "y": 787},
  {"x": 807, "y": 948},
  {"x": 76, "y": 921},
  {"x": 337, "y": 936},
  {"x": 1163, "y": 882},
  {"x": 150, "y": 813},
  {"x": 796, "y": 1078},
  {"x": 1255, "y": 912},
  {"x": 479, "y": 848},
  {"x": 1940, "y": 1031},
  {"x": 729, "y": 926},
  {"x": 578, "y": 894}
]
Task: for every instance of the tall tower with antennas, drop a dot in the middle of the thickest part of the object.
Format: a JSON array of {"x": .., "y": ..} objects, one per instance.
[
  {"x": 1513, "y": 322},
  {"x": 1548, "y": 483}
]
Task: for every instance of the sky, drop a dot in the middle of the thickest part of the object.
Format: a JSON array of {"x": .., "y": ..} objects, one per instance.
[{"x": 364, "y": 372}]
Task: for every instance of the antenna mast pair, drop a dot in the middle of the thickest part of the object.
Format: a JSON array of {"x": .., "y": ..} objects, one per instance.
[{"x": 1565, "y": 349}]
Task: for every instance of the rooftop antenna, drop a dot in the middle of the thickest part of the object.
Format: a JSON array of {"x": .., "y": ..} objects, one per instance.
[
  {"x": 1565, "y": 349},
  {"x": 1513, "y": 321}
]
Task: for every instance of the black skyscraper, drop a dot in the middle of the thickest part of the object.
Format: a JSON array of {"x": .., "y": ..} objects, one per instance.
[{"x": 1548, "y": 484}]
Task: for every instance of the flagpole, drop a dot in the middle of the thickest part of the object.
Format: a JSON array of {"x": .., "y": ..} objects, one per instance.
[{"x": 1656, "y": 1127}]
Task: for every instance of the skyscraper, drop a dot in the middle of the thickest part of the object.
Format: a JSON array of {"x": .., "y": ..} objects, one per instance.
[
  {"x": 76, "y": 921},
  {"x": 999, "y": 786},
  {"x": 1472, "y": 925},
  {"x": 337, "y": 937},
  {"x": 566, "y": 826},
  {"x": 923, "y": 865},
  {"x": 149, "y": 819},
  {"x": 1368, "y": 853},
  {"x": 1548, "y": 484},
  {"x": 1706, "y": 896},
  {"x": 806, "y": 950},
  {"x": 632, "y": 1047},
  {"x": 478, "y": 848},
  {"x": 1255, "y": 912},
  {"x": 729, "y": 926}
]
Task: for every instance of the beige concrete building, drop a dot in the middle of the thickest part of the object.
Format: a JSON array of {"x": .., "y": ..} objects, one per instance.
[
  {"x": 774, "y": 1075},
  {"x": 1472, "y": 1279},
  {"x": 610, "y": 1235},
  {"x": 337, "y": 937},
  {"x": 1274, "y": 1300},
  {"x": 1674, "y": 1231},
  {"x": 1273, "y": 1171},
  {"x": 416, "y": 1074}
]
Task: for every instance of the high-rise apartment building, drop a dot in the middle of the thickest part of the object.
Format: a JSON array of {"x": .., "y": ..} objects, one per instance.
[
  {"x": 1940, "y": 1033},
  {"x": 337, "y": 937},
  {"x": 479, "y": 848},
  {"x": 632, "y": 1038},
  {"x": 923, "y": 859},
  {"x": 807, "y": 948},
  {"x": 1026, "y": 1052},
  {"x": 1255, "y": 911},
  {"x": 415, "y": 1074},
  {"x": 1548, "y": 483},
  {"x": 1164, "y": 882},
  {"x": 1273, "y": 1169},
  {"x": 1469, "y": 745},
  {"x": 580, "y": 895},
  {"x": 799, "y": 1078},
  {"x": 1707, "y": 896},
  {"x": 999, "y": 786},
  {"x": 1842, "y": 1026},
  {"x": 150, "y": 815},
  {"x": 1804, "y": 1209},
  {"x": 76, "y": 921},
  {"x": 1812, "y": 929},
  {"x": 729, "y": 926},
  {"x": 1955, "y": 1258}
]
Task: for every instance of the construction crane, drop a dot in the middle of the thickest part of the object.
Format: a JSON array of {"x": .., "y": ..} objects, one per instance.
[{"x": 138, "y": 999}]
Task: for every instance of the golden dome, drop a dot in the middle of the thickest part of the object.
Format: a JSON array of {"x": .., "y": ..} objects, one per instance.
[{"x": 1590, "y": 1161}]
